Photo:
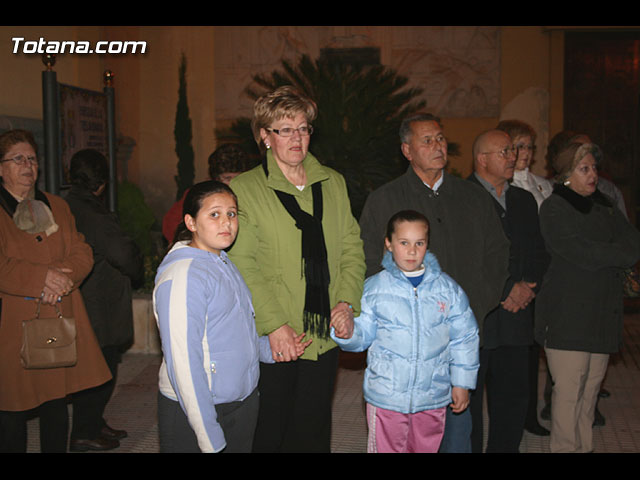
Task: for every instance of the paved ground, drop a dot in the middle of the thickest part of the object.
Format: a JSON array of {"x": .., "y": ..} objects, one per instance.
[{"x": 133, "y": 406}]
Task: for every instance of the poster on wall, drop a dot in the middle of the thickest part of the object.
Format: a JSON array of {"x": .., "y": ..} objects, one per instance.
[{"x": 83, "y": 124}]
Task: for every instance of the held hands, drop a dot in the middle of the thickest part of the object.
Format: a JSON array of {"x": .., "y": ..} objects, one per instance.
[
  {"x": 459, "y": 399},
  {"x": 342, "y": 320},
  {"x": 56, "y": 285},
  {"x": 520, "y": 297},
  {"x": 286, "y": 344}
]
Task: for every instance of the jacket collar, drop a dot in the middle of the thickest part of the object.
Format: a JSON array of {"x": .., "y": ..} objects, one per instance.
[
  {"x": 432, "y": 267},
  {"x": 277, "y": 181},
  {"x": 9, "y": 203},
  {"x": 579, "y": 202},
  {"x": 478, "y": 180},
  {"x": 87, "y": 197},
  {"x": 416, "y": 182}
]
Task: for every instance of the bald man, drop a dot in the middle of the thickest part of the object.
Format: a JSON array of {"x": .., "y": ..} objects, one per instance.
[{"x": 508, "y": 330}]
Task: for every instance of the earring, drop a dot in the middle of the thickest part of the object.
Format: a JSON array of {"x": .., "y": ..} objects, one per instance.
[
  {"x": 267, "y": 145},
  {"x": 566, "y": 183}
]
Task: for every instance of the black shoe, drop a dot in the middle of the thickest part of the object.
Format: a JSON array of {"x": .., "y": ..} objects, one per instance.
[
  {"x": 112, "y": 433},
  {"x": 97, "y": 444},
  {"x": 545, "y": 413},
  {"x": 537, "y": 429},
  {"x": 598, "y": 419},
  {"x": 604, "y": 393}
]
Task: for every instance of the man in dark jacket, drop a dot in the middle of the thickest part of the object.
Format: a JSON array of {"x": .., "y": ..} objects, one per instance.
[
  {"x": 465, "y": 234},
  {"x": 508, "y": 330},
  {"x": 106, "y": 292}
]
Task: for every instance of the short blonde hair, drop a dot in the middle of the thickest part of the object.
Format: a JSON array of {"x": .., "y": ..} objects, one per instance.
[
  {"x": 284, "y": 102},
  {"x": 516, "y": 128}
]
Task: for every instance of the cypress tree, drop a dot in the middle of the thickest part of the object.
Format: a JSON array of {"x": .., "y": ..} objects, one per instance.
[{"x": 183, "y": 134}]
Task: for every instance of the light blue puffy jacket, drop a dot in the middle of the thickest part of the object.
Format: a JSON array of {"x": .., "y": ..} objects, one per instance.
[{"x": 421, "y": 341}]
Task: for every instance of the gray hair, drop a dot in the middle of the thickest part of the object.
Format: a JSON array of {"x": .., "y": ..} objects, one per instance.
[{"x": 405, "y": 126}]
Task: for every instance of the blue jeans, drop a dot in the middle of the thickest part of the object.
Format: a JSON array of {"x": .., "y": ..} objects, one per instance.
[{"x": 457, "y": 432}]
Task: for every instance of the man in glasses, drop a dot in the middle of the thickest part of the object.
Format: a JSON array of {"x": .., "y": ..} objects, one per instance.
[
  {"x": 508, "y": 330},
  {"x": 465, "y": 233}
]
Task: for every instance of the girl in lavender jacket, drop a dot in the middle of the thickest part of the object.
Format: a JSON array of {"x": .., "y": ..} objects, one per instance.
[{"x": 208, "y": 399}]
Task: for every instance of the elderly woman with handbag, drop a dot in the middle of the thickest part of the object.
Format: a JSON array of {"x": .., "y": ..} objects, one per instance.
[{"x": 43, "y": 259}]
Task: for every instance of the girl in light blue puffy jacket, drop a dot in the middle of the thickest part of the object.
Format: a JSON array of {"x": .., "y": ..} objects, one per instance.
[{"x": 422, "y": 341}]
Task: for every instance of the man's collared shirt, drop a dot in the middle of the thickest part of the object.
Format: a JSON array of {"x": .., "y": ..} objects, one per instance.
[
  {"x": 436, "y": 185},
  {"x": 502, "y": 199}
]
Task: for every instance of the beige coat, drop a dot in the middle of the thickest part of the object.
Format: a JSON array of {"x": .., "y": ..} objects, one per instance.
[{"x": 24, "y": 259}]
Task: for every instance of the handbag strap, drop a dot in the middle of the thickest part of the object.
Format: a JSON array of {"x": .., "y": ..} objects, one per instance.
[{"x": 38, "y": 302}]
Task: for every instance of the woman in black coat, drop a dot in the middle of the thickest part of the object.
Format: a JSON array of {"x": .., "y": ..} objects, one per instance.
[
  {"x": 106, "y": 292},
  {"x": 579, "y": 310}
]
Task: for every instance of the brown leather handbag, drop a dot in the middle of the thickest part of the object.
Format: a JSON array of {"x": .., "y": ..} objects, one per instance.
[{"x": 48, "y": 342}]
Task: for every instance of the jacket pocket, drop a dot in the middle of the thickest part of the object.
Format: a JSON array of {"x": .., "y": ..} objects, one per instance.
[
  {"x": 379, "y": 375},
  {"x": 229, "y": 376}
]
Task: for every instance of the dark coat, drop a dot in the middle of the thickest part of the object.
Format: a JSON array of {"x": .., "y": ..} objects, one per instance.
[
  {"x": 465, "y": 233},
  {"x": 118, "y": 262},
  {"x": 528, "y": 260},
  {"x": 580, "y": 305}
]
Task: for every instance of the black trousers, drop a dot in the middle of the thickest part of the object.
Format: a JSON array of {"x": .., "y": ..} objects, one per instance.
[
  {"x": 237, "y": 420},
  {"x": 295, "y": 405},
  {"x": 54, "y": 428},
  {"x": 89, "y": 405},
  {"x": 504, "y": 375}
]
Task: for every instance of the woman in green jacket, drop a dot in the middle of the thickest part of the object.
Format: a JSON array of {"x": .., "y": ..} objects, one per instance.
[{"x": 299, "y": 251}]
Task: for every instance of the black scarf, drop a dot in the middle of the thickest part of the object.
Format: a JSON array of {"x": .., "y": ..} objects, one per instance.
[
  {"x": 9, "y": 203},
  {"x": 317, "y": 309},
  {"x": 579, "y": 202}
]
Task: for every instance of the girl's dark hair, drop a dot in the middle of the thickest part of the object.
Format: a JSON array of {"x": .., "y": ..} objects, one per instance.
[
  {"x": 405, "y": 216},
  {"x": 88, "y": 169},
  {"x": 193, "y": 202}
]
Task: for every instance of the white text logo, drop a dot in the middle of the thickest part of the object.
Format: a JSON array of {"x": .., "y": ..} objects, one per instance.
[{"x": 20, "y": 45}]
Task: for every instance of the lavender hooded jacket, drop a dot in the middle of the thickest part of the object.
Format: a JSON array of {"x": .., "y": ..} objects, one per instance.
[{"x": 210, "y": 347}]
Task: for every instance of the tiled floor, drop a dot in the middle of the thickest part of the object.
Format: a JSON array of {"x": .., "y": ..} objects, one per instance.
[{"x": 133, "y": 406}]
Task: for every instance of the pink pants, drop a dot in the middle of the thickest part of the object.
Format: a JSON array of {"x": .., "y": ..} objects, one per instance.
[{"x": 393, "y": 432}]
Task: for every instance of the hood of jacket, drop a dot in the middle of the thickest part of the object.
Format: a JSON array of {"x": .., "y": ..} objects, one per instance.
[
  {"x": 432, "y": 268},
  {"x": 182, "y": 250}
]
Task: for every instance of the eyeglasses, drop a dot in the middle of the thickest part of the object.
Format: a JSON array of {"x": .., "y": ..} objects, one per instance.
[
  {"x": 22, "y": 160},
  {"x": 289, "y": 131},
  {"x": 505, "y": 152}
]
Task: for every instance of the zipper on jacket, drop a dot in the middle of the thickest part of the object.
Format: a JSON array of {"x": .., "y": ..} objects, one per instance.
[{"x": 416, "y": 333}]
